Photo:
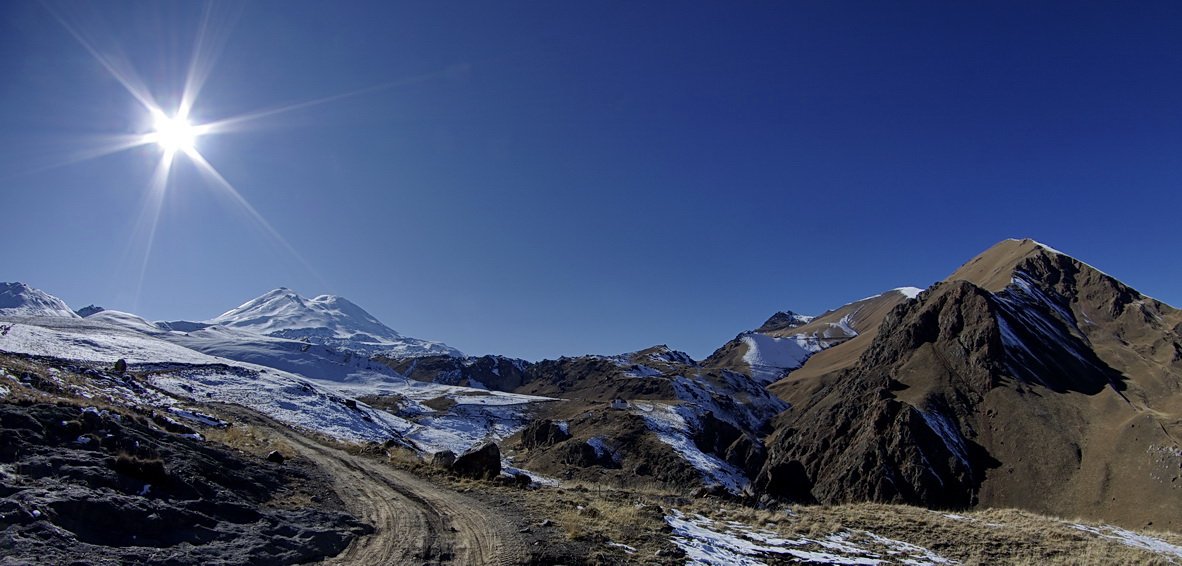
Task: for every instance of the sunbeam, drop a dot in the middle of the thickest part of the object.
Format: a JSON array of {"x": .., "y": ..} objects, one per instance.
[
  {"x": 233, "y": 123},
  {"x": 150, "y": 213},
  {"x": 219, "y": 181},
  {"x": 103, "y": 146},
  {"x": 120, "y": 70},
  {"x": 207, "y": 48},
  {"x": 176, "y": 134}
]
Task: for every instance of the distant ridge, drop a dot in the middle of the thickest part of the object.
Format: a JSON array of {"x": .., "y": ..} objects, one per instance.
[
  {"x": 325, "y": 319},
  {"x": 18, "y": 299}
]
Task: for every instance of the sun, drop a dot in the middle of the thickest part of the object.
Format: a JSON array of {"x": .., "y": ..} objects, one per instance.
[{"x": 173, "y": 134}]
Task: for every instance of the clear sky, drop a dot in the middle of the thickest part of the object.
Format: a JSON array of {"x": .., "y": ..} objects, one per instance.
[{"x": 559, "y": 178}]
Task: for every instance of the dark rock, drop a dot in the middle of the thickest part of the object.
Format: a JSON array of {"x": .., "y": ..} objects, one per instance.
[
  {"x": 89, "y": 310},
  {"x": 780, "y": 321},
  {"x": 714, "y": 435},
  {"x": 275, "y": 456},
  {"x": 580, "y": 455},
  {"x": 481, "y": 463},
  {"x": 443, "y": 459},
  {"x": 140, "y": 490},
  {"x": 542, "y": 433}
]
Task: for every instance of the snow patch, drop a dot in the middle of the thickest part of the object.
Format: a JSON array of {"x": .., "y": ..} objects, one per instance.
[
  {"x": 948, "y": 433},
  {"x": 328, "y": 320},
  {"x": 627, "y": 549},
  {"x": 706, "y": 541},
  {"x": 671, "y": 427},
  {"x": 770, "y": 358},
  {"x": 909, "y": 292},
  {"x": 599, "y": 444},
  {"x": 1129, "y": 538},
  {"x": 20, "y": 300}
]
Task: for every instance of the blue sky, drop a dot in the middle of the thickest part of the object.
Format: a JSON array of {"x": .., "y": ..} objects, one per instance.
[{"x": 544, "y": 179}]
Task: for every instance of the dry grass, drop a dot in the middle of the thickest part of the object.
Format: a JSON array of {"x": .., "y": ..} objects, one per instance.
[
  {"x": 609, "y": 520},
  {"x": 994, "y": 536},
  {"x": 249, "y": 439},
  {"x": 598, "y": 514},
  {"x": 440, "y": 404}
]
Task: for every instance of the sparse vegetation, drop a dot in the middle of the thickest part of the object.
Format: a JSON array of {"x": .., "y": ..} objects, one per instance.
[
  {"x": 440, "y": 404},
  {"x": 147, "y": 469},
  {"x": 250, "y": 439}
]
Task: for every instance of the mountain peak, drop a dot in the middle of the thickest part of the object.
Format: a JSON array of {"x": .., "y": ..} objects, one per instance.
[
  {"x": 993, "y": 268},
  {"x": 325, "y": 319},
  {"x": 19, "y": 299},
  {"x": 782, "y": 320},
  {"x": 89, "y": 310}
]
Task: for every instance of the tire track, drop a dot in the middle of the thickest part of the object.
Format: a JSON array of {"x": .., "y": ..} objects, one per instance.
[{"x": 415, "y": 522}]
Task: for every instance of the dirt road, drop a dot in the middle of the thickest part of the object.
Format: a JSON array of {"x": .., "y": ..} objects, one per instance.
[{"x": 415, "y": 521}]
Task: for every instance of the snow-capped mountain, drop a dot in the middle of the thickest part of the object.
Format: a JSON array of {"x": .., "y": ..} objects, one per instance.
[
  {"x": 328, "y": 320},
  {"x": 18, "y": 299}
]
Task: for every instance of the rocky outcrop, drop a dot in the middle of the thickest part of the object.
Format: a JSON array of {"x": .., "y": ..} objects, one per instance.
[
  {"x": 1027, "y": 379},
  {"x": 444, "y": 459},
  {"x": 93, "y": 486},
  {"x": 858, "y": 442},
  {"x": 782, "y": 320},
  {"x": 497, "y": 373},
  {"x": 89, "y": 310},
  {"x": 542, "y": 433},
  {"x": 482, "y": 463}
]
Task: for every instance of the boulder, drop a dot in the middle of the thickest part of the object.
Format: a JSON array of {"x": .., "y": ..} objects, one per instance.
[
  {"x": 275, "y": 456},
  {"x": 542, "y": 433},
  {"x": 443, "y": 459},
  {"x": 481, "y": 463}
]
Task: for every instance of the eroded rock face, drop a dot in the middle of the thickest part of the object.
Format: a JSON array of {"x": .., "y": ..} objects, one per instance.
[
  {"x": 443, "y": 459},
  {"x": 1028, "y": 379},
  {"x": 542, "y": 433},
  {"x": 858, "y": 441},
  {"x": 96, "y": 486},
  {"x": 481, "y": 463},
  {"x": 497, "y": 373}
]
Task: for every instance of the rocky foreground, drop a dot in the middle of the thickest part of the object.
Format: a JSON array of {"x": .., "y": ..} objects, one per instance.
[{"x": 86, "y": 484}]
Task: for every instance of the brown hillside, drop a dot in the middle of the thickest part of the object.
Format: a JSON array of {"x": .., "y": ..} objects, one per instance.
[
  {"x": 865, "y": 316},
  {"x": 1027, "y": 379}
]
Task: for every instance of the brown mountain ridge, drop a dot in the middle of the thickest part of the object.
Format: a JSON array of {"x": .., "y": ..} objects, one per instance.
[{"x": 1025, "y": 379}]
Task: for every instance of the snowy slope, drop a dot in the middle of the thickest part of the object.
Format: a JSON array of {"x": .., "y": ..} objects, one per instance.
[
  {"x": 18, "y": 299},
  {"x": 328, "y": 320},
  {"x": 313, "y": 394},
  {"x": 770, "y": 358}
]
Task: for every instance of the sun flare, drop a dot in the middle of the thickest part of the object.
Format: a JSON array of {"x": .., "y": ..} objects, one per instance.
[{"x": 174, "y": 134}]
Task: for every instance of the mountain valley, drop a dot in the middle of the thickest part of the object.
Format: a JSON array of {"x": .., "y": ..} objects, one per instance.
[{"x": 1027, "y": 385}]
